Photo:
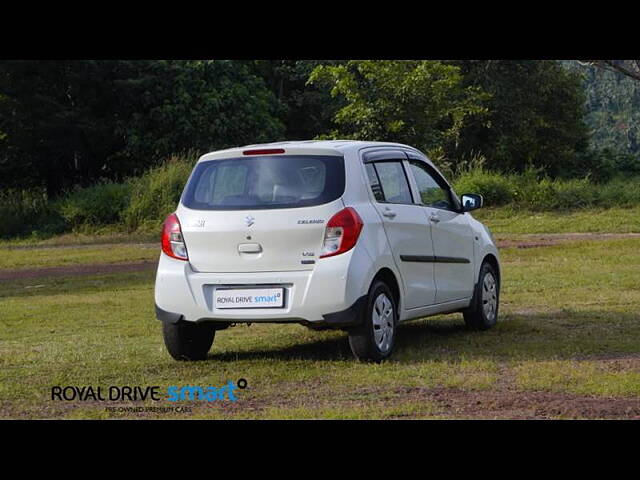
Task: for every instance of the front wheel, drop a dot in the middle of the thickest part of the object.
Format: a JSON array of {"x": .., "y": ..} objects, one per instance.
[
  {"x": 482, "y": 314},
  {"x": 374, "y": 339},
  {"x": 188, "y": 340}
]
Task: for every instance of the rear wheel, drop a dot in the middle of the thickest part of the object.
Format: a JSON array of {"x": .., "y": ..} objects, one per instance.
[
  {"x": 482, "y": 314},
  {"x": 374, "y": 339},
  {"x": 188, "y": 340}
]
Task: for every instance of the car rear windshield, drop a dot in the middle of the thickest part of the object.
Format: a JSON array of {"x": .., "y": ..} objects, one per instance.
[{"x": 283, "y": 181}]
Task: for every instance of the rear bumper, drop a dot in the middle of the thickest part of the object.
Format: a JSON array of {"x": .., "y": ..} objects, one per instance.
[
  {"x": 324, "y": 296},
  {"x": 348, "y": 318}
]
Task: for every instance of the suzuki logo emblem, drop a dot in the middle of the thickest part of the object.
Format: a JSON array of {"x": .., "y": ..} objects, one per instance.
[{"x": 249, "y": 220}]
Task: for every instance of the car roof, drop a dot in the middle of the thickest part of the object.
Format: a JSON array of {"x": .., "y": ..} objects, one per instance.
[
  {"x": 329, "y": 147},
  {"x": 335, "y": 144}
]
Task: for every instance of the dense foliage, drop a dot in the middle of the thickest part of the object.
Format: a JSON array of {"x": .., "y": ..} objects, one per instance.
[
  {"x": 73, "y": 122},
  {"x": 86, "y": 142},
  {"x": 422, "y": 103},
  {"x": 536, "y": 111},
  {"x": 155, "y": 194},
  {"x": 306, "y": 110},
  {"x": 613, "y": 109},
  {"x": 140, "y": 204},
  {"x": 68, "y": 123}
]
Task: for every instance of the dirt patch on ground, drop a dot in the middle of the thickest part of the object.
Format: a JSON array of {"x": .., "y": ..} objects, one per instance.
[
  {"x": 525, "y": 405},
  {"x": 614, "y": 362},
  {"x": 80, "y": 246},
  {"x": 77, "y": 270},
  {"x": 442, "y": 402},
  {"x": 504, "y": 241},
  {"x": 545, "y": 240},
  {"x": 502, "y": 402}
]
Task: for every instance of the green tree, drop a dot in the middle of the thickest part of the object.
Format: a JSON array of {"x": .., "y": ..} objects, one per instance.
[
  {"x": 613, "y": 108},
  {"x": 306, "y": 109},
  {"x": 74, "y": 122},
  {"x": 54, "y": 116},
  {"x": 536, "y": 115},
  {"x": 422, "y": 103},
  {"x": 628, "y": 68},
  {"x": 192, "y": 105}
]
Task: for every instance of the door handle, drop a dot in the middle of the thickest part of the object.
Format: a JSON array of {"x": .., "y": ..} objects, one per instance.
[
  {"x": 388, "y": 213},
  {"x": 434, "y": 218}
]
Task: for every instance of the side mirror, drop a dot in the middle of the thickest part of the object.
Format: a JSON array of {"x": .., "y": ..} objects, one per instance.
[{"x": 471, "y": 201}]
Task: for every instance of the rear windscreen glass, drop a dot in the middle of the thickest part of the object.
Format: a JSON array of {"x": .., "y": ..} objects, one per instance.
[{"x": 284, "y": 181}]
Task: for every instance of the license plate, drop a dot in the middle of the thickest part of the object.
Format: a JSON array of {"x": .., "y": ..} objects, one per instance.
[{"x": 248, "y": 298}]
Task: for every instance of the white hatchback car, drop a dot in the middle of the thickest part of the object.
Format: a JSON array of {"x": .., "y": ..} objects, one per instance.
[{"x": 352, "y": 235}]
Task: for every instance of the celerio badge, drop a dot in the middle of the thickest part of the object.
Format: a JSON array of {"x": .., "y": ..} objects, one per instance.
[{"x": 305, "y": 222}]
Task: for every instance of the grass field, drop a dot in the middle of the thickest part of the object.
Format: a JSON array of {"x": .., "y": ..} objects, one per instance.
[
  {"x": 567, "y": 344},
  {"x": 15, "y": 258},
  {"x": 598, "y": 220}
]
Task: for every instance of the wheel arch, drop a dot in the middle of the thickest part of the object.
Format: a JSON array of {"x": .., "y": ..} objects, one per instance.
[
  {"x": 493, "y": 261},
  {"x": 386, "y": 275}
]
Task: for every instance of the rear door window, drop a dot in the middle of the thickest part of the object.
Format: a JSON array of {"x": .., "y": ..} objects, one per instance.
[
  {"x": 374, "y": 182},
  {"x": 392, "y": 182},
  {"x": 285, "y": 181}
]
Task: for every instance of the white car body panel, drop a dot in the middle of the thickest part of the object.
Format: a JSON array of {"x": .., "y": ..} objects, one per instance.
[
  {"x": 452, "y": 239},
  {"x": 222, "y": 240},
  {"x": 408, "y": 237}
]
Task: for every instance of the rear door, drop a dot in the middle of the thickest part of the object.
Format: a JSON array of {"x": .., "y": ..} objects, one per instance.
[
  {"x": 404, "y": 223},
  {"x": 450, "y": 230},
  {"x": 257, "y": 214}
]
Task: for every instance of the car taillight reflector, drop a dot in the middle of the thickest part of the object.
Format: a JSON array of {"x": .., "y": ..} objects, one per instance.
[
  {"x": 172, "y": 240},
  {"x": 341, "y": 235}
]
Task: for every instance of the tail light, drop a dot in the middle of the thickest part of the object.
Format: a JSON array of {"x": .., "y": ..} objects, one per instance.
[
  {"x": 172, "y": 240},
  {"x": 342, "y": 232}
]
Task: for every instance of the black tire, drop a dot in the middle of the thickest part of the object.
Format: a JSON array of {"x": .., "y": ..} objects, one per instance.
[
  {"x": 362, "y": 339},
  {"x": 476, "y": 317},
  {"x": 188, "y": 340}
]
